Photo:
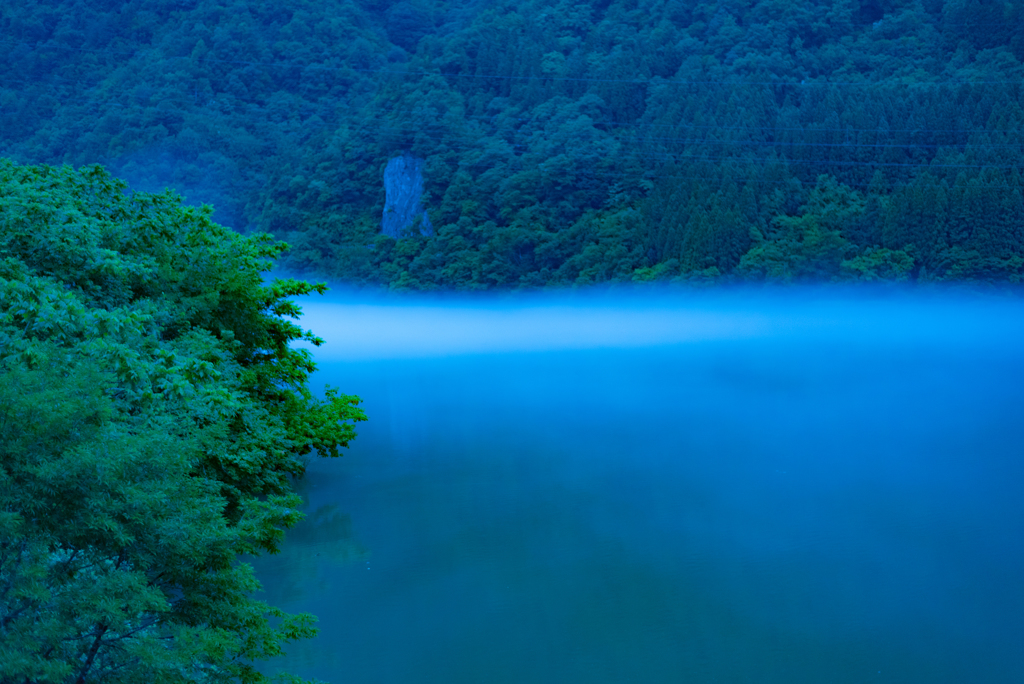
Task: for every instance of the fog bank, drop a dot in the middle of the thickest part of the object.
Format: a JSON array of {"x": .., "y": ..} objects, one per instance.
[{"x": 373, "y": 328}]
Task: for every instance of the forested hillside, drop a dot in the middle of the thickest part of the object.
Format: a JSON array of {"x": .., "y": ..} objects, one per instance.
[
  {"x": 564, "y": 143},
  {"x": 152, "y": 415}
]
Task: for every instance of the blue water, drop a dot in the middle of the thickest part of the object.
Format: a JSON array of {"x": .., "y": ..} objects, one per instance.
[{"x": 788, "y": 488}]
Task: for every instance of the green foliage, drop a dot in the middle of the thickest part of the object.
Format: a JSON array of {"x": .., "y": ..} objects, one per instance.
[
  {"x": 880, "y": 264},
  {"x": 151, "y": 415},
  {"x": 542, "y": 124},
  {"x": 810, "y": 246},
  {"x": 801, "y": 250}
]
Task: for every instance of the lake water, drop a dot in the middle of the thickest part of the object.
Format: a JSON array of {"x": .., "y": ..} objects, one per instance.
[{"x": 792, "y": 488}]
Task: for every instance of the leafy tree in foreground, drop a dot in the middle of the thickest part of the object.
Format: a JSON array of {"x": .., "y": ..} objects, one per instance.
[{"x": 151, "y": 415}]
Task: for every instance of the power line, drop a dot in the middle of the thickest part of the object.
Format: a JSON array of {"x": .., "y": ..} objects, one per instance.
[
  {"x": 727, "y": 178},
  {"x": 566, "y": 79},
  {"x": 188, "y": 106},
  {"x": 471, "y": 143},
  {"x": 804, "y": 129},
  {"x": 783, "y": 161},
  {"x": 781, "y": 143}
]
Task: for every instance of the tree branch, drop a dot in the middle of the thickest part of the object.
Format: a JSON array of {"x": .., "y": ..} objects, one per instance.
[{"x": 93, "y": 650}]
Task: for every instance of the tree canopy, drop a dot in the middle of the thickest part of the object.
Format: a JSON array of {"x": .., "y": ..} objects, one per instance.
[
  {"x": 564, "y": 143},
  {"x": 152, "y": 413}
]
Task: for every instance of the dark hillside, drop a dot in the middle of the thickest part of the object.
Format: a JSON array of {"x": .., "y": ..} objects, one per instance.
[{"x": 562, "y": 143}]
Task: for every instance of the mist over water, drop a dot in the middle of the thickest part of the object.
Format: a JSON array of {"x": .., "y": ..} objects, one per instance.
[
  {"x": 418, "y": 326},
  {"x": 811, "y": 487}
]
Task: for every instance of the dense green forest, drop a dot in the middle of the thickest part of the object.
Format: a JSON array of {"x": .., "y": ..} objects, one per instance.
[
  {"x": 152, "y": 416},
  {"x": 563, "y": 143}
]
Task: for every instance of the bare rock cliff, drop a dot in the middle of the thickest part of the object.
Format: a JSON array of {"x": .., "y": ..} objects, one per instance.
[{"x": 403, "y": 192}]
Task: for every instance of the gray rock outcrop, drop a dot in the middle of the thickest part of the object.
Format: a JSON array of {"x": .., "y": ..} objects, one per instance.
[{"x": 403, "y": 193}]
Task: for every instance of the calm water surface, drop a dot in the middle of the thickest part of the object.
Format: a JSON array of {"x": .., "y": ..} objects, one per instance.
[{"x": 763, "y": 489}]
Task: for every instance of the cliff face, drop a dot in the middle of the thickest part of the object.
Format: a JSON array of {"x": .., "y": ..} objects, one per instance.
[{"x": 403, "y": 191}]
